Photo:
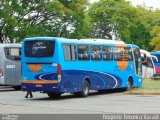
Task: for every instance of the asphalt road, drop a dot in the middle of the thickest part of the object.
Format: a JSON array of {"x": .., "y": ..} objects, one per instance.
[{"x": 12, "y": 101}]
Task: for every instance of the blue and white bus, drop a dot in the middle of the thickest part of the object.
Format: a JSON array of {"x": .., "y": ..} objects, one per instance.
[{"x": 58, "y": 65}]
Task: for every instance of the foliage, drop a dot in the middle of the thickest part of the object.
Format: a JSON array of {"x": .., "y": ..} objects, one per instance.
[
  {"x": 149, "y": 84},
  {"x": 155, "y": 32},
  {"x": 111, "y": 17},
  {"x": 78, "y": 19},
  {"x": 24, "y": 18},
  {"x": 117, "y": 18}
]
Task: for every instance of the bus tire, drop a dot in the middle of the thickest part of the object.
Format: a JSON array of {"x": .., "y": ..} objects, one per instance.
[
  {"x": 85, "y": 90},
  {"x": 129, "y": 84},
  {"x": 53, "y": 95}
]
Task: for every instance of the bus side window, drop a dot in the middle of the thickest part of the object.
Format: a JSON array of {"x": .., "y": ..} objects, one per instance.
[
  {"x": 107, "y": 53},
  {"x": 69, "y": 52},
  {"x": 122, "y": 54},
  {"x": 96, "y": 53},
  {"x": 118, "y": 54},
  {"x": 83, "y": 52},
  {"x": 127, "y": 54}
]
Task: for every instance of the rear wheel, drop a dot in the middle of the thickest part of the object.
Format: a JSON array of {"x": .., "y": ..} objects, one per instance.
[
  {"x": 85, "y": 90},
  {"x": 54, "y": 95}
]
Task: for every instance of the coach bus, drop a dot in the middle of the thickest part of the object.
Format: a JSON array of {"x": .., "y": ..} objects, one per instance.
[
  {"x": 156, "y": 62},
  {"x": 10, "y": 65},
  {"x": 58, "y": 65},
  {"x": 151, "y": 68}
]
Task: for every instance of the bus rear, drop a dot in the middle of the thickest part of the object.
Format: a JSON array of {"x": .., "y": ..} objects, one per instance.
[{"x": 40, "y": 72}]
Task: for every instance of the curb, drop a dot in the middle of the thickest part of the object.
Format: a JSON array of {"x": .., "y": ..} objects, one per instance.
[{"x": 143, "y": 92}]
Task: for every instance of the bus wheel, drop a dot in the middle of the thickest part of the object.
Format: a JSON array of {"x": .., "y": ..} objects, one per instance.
[
  {"x": 85, "y": 89},
  {"x": 54, "y": 95},
  {"x": 129, "y": 84}
]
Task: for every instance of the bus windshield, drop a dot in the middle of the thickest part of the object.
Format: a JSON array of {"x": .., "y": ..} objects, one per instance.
[
  {"x": 13, "y": 53},
  {"x": 39, "y": 48},
  {"x": 156, "y": 58}
]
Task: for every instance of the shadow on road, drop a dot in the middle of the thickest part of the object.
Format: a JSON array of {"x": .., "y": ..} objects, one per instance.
[
  {"x": 6, "y": 88},
  {"x": 71, "y": 96}
]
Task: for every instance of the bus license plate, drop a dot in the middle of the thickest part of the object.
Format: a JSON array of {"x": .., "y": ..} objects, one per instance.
[{"x": 38, "y": 85}]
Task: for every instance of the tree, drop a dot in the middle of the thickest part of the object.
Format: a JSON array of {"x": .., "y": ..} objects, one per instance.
[
  {"x": 111, "y": 17},
  {"x": 24, "y": 18},
  {"x": 119, "y": 19},
  {"x": 20, "y": 18},
  {"x": 74, "y": 19},
  {"x": 155, "y": 31}
]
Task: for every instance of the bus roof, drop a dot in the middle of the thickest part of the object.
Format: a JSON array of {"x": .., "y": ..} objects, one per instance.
[
  {"x": 80, "y": 41},
  {"x": 155, "y": 53}
]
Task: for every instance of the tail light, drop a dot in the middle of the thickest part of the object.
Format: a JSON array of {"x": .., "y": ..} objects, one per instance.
[
  {"x": 1, "y": 73},
  {"x": 59, "y": 72}
]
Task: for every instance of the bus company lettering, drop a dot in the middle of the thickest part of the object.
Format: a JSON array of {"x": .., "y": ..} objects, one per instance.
[
  {"x": 37, "y": 46},
  {"x": 10, "y": 66},
  {"x": 120, "y": 68}
]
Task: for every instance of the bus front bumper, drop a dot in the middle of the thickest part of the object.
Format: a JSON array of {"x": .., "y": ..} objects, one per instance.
[{"x": 40, "y": 85}]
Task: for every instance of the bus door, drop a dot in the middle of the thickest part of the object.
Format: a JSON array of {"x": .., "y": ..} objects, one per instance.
[
  {"x": 138, "y": 61},
  {"x": 147, "y": 68},
  {"x": 12, "y": 66},
  {"x": 39, "y": 66}
]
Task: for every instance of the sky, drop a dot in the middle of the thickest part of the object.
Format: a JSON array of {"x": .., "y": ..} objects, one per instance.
[{"x": 149, "y": 3}]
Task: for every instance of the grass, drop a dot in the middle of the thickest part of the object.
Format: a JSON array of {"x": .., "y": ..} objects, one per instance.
[
  {"x": 149, "y": 84},
  {"x": 149, "y": 87}
]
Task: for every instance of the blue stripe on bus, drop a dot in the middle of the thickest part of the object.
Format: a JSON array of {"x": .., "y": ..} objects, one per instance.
[
  {"x": 46, "y": 76},
  {"x": 101, "y": 79}
]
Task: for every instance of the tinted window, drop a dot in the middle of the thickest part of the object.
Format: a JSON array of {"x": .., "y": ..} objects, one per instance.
[
  {"x": 96, "y": 53},
  {"x": 12, "y": 53},
  {"x": 69, "y": 52},
  {"x": 118, "y": 54},
  {"x": 127, "y": 54},
  {"x": 158, "y": 58},
  {"x": 83, "y": 52},
  {"x": 107, "y": 53},
  {"x": 155, "y": 60},
  {"x": 122, "y": 54},
  {"x": 39, "y": 48}
]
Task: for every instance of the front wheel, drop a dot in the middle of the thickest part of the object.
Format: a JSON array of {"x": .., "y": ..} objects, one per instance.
[{"x": 129, "y": 84}]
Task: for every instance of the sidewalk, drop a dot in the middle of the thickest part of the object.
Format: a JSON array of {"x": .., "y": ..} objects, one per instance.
[{"x": 143, "y": 92}]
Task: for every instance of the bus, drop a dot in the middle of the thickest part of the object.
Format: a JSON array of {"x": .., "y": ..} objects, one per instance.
[
  {"x": 58, "y": 65},
  {"x": 156, "y": 62},
  {"x": 150, "y": 69},
  {"x": 10, "y": 65}
]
